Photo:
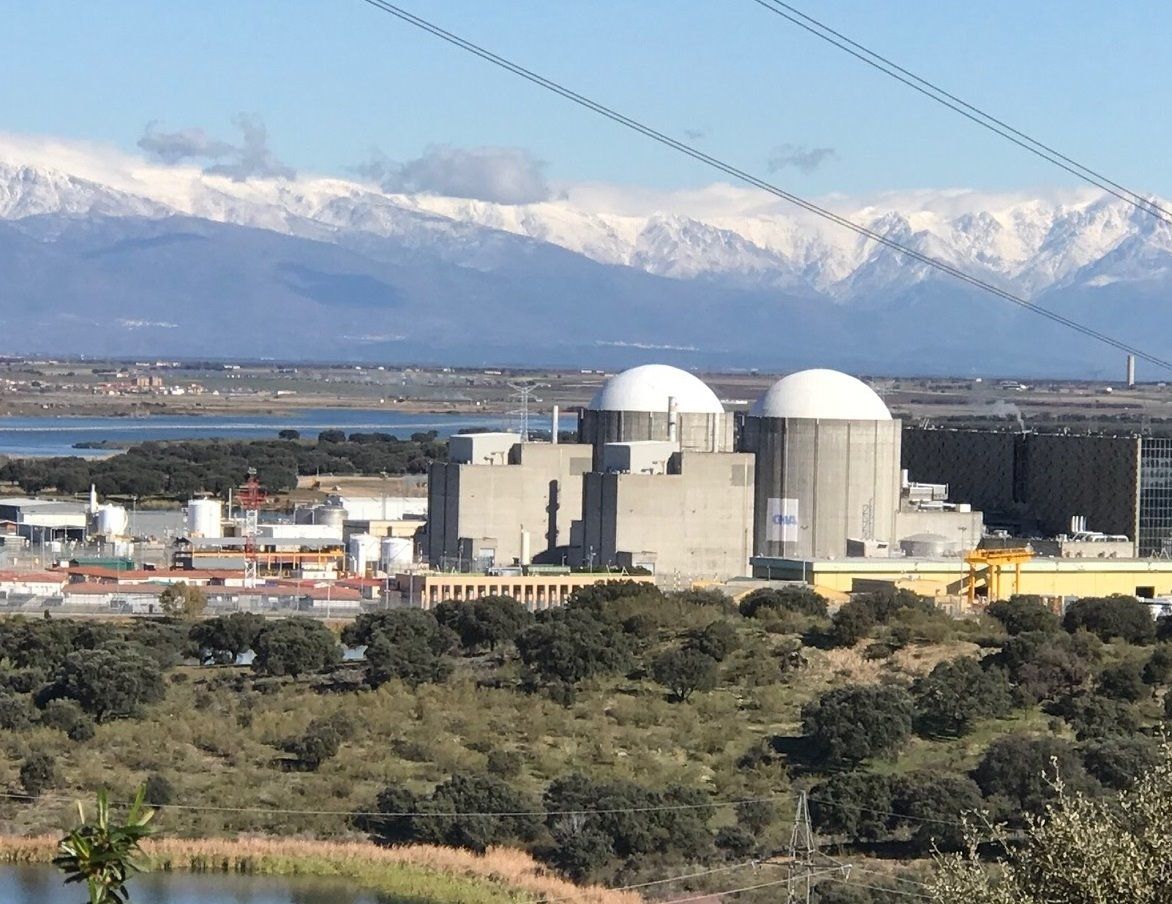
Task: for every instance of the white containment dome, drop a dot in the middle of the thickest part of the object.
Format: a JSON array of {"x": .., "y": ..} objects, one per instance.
[
  {"x": 650, "y": 386},
  {"x": 821, "y": 394}
]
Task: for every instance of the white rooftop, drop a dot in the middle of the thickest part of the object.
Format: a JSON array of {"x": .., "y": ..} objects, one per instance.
[
  {"x": 821, "y": 394},
  {"x": 648, "y": 388}
]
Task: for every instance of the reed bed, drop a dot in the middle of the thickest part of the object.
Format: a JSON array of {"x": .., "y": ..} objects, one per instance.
[{"x": 412, "y": 872}]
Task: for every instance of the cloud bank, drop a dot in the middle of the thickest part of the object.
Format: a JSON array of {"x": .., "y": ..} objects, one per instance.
[
  {"x": 799, "y": 157},
  {"x": 500, "y": 175},
  {"x": 250, "y": 159}
]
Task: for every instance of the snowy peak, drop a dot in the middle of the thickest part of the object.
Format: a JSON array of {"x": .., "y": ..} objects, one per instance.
[{"x": 724, "y": 233}]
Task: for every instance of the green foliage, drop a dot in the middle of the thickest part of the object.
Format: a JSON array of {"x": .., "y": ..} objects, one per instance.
[
  {"x": 717, "y": 640},
  {"x": 1109, "y": 617},
  {"x": 956, "y": 694},
  {"x": 158, "y": 790},
  {"x": 853, "y": 805},
  {"x": 799, "y": 600},
  {"x": 179, "y": 469},
  {"x": 575, "y": 642},
  {"x": 183, "y": 600},
  {"x": 319, "y": 742},
  {"x": 1019, "y": 771},
  {"x": 1123, "y": 681},
  {"x": 855, "y": 619},
  {"x": 1042, "y": 666},
  {"x": 683, "y": 671},
  {"x": 38, "y": 773},
  {"x": 484, "y": 622},
  {"x": 1157, "y": 670},
  {"x": 462, "y": 794},
  {"x": 102, "y": 853},
  {"x": 109, "y": 682},
  {"x": 408, "y": 644},
  {"x": 1094, "y": 716},
  {"x": 850, "y": 724},
  {"x": 1116, "y": 850},
  {"x": 64, "y": 715},
  {"x": 504, "y": 763},
  {"x": 1024, "y": 613},
  {"x": 294, "y": 646},
  {"x": 225, "y": 638},
  {"x": 1119, "y": 762},
  {"x": 16, "y": 712},
  {"x": 933, "y": 805}
]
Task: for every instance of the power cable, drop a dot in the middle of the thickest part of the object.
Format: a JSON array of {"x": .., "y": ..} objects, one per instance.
[
  {"x": 736, "y": 891},
  {"x": 697, "y": 875},
  {"x": 890, "y": 891},
  {"x": 965, "y": 109},
  {"x": 757, "y": 182}
]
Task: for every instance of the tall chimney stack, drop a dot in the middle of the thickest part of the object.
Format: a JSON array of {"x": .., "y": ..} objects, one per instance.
[
  {"x": 553, "y": 426},
  {"x": 1131, "y": 370}
]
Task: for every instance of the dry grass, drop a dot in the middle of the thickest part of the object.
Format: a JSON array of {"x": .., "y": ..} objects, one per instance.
[{"x": 430, "y": 872}]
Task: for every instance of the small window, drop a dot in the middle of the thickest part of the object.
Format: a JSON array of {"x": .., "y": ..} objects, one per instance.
[{"x": 1145, "y": 593}]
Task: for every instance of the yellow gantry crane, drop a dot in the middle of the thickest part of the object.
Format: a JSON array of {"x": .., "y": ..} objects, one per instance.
[{"x": 993, "y": 562}]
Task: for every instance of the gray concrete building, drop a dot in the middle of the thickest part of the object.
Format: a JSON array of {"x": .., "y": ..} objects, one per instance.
[
  {"x": 497, "y": 501},
  {"x": 685, "y": 515}
]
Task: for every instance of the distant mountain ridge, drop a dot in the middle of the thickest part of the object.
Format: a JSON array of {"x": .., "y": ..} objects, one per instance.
[{"x": 167, "y": 259}]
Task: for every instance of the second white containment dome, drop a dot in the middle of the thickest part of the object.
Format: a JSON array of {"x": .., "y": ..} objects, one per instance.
[{"x": 821, "y": 394}]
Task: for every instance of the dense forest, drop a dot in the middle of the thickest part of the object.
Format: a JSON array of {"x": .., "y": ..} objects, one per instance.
[
  {"x": 176, "y": 470},
  {"x": 627, "y": 735}
]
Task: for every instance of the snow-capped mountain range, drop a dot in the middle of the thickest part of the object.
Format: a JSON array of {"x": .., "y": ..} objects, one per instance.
[{"x": 91, "y": 241}]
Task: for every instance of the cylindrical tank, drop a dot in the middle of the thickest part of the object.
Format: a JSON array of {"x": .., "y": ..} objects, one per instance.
[
  {"x": 111, "y": 521},
  {"x": 395, "y": 553},
  {"x": 205, "y": 518},
  {"x": 363, "y": 550},
  {"x": 330, "y": 516},
  {"x": 927, "y": 546}
]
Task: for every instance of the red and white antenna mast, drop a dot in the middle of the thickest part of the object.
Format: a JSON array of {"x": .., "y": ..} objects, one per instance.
[{"x": 251, "y": 497}]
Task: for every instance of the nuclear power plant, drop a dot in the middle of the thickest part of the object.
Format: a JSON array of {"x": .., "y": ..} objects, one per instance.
[{"x": 665, "y": 480}]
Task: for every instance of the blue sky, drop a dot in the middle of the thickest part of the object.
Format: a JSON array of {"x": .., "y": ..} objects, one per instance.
[{"x": 335, "y": 79}]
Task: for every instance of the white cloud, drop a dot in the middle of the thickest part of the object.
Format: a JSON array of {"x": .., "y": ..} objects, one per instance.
[{"x": 500, "y": 175}]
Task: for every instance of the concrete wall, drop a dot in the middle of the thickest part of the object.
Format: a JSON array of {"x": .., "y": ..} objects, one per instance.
[
  {"x": 695, "y": 520},
  {"x": 841, "y": 477},
  {"x": 697, "y": 432},
  {"x": 472, "y": 507},
  {"x": 963, "y": 528}
]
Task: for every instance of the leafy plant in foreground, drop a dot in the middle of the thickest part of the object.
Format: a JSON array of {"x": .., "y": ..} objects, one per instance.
[{"x": 101, "y": 853}]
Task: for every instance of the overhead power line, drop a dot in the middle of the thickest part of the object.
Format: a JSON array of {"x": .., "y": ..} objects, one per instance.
[
  {"x": 756, "y": 182},
  {"x": 968, "y": 111}
]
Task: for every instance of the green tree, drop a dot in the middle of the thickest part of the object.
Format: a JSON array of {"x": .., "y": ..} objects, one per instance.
[
  {"x": 933, "y": 805},
  {"x": 856, "y": 805},
  {"x": 850, "y": 724},
  {"x": 799, "y": 600},
  {"x": 103, "y": 853},
  {"x": 1158, "y": 669},
  {"x": 294, "y": 646},
  {"x": 1123, "y": 681},
  {"x": 1019, "y": 771},
  {"x": 1119, "y": 762},
  {"x": 408, "y": 644},
  {"x": 225, "y": 638},
  {"x": 1112, "y": 850},
  {"x": 717, "y": 639},
  {"x": 16, "y": 712},
  {"x": 1109, "y": 617},
  {"x": 684, "y": 671},
  {"x": 158, "y": 790},
  {"x": 1023, "y": 613},
  {"x": 956, "y": 694},
  {"x": 183, "y": 600},
  {"x": 574, "y": 643},
  {"x": 38, "y": 772},
  {"x": 109, "y": 682},
  {"x": 485, "y": 622}
]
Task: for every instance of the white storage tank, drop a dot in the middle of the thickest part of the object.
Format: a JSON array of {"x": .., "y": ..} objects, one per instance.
[
  {"x": 395, "y": 553},
  {"x": 363, "y": 550},
  {"x": 205, "y": 518},
  {"x": 111, "y": 521}
]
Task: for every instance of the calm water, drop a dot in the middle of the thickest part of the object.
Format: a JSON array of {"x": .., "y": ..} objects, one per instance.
[
  {"x": 42, "y": 436},
  {"x": 42, "y": 885}
]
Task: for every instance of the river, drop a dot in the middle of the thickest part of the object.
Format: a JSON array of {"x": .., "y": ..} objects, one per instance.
[
  {"x": 43, "y": 885},
  {"x": 46, "y": 436}
]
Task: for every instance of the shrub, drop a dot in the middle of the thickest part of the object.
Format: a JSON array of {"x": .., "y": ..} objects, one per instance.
[
  {"x": 1158, "y": 668},
  {"x": 1024, "y": 613},
  {"x": 956, "y": 694},
  {"x": 1119, "y": 762},
  {"x": 850, "y": 724},
  {"x": 716, "y": 640},
  {"x": 1019, "y": 771},
  {"x": 16, "y": 712},
  {"x": 294, "y": 646},
  {"x": 38, "y": 773},
  {"x": 63, "y": 715},
  {"x": 1109, "y": 617},
  {"x": 684, "y": 671},
  {"x": 1123, "y": 681},
  {"x": 799, "y": 600},
  {"x": 504, "y": 763},
  {"x": 158, "y": 790}
]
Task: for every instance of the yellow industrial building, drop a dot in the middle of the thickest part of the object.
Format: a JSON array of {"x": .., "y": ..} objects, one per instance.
[{"x": 1048, "y": 577}]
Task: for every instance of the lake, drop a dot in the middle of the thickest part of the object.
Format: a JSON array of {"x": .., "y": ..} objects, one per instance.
[
  {"x": 47, "y": 436},
  {"x": 42, "y": 885}
]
